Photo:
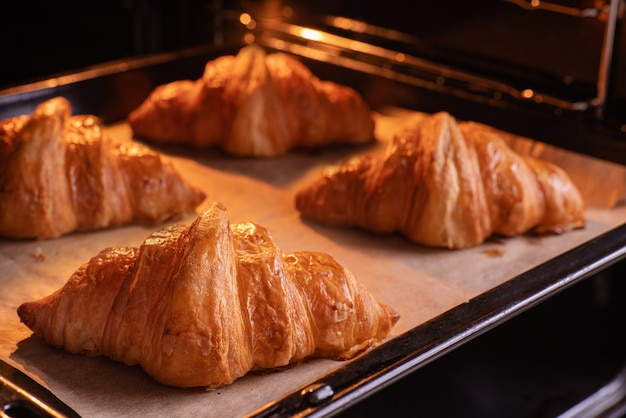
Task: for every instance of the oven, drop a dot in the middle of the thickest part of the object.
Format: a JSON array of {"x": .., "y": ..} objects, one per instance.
[{"x": 546, "y": 338}]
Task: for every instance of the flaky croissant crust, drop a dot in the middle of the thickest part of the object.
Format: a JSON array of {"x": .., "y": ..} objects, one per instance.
[
  {"x": 59, "y": 173},
  {"x": 205, "y": 304},
  {"x": 445, "y": 184},
  {"x": 254, "y": 104}
]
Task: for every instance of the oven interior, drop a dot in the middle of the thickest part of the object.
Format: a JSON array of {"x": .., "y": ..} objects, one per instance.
[
  {"x": 559, "y": 64},
  {"x": 552, "y": 71}
]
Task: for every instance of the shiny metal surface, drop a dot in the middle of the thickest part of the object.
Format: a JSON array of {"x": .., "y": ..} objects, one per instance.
[{"x": 21, "y": 396}]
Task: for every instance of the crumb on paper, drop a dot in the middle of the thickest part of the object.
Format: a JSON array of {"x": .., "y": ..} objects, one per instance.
[
  {"x": 39, "y": 255},
  {"x": 493, "y": 252}
]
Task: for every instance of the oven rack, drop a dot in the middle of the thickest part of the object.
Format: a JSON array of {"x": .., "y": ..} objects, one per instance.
[
  {"x": 390, "y": 53},
  {"x": 597, "y": 12}
]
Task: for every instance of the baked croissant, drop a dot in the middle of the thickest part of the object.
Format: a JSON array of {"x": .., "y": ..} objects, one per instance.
[
  {"x": 445, "y": 184},
  {"x": 59, "y": 173},
  {"x": 205, "y": 304},
  {"x": 254, "y": 104}
]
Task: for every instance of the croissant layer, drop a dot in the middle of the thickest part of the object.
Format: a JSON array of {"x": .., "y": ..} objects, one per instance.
[
  {"x": 254, "y": 104},
  {"x": 204, "y": 304},
  {"x": 60, "y": 173},
  {"x": 445, "y": 184}
]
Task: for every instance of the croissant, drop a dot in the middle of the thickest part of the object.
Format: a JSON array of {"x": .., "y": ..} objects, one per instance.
[
  {"x": 205, "y": 304},
  {"x": 445, "y": 184},
  {"x": 254, "y": 104},
  {"x": 60, "y": 173}
]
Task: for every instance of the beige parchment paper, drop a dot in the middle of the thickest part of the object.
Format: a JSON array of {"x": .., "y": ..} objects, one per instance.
[{"x": 418, "y": 282}]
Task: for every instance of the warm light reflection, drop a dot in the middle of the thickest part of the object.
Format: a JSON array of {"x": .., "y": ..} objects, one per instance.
[
  {"x": 341, "y": 23},
  {"x": 311, "y": 34},
  {"x": 249, "y": 38},
  {"x": 50, "y": 83},
  {"x": 349, "y": 24},
  {"x": 279, "y": 44},
  {"x": 528, "y": 93},
  {"x": 245, "y": 18}
]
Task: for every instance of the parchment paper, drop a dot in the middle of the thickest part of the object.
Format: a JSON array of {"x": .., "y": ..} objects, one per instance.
[{"x": 418, "y": 282}]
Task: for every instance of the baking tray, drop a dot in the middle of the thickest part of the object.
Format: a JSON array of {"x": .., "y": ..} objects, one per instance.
[{"x": 445, "y": 298}]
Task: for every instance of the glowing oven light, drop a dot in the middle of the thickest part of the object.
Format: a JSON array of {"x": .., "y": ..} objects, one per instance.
[
  {"x": 246, "y": 20},
  {"x": 310, "y": 34}
]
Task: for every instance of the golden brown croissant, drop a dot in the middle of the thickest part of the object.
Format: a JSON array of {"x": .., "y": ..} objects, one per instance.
[
  {"x": 205, "y": 304},
  {"x": 59, "y": 173},
  {"x": 254, "y": 104},
  {"x": 445, "y": 184}
]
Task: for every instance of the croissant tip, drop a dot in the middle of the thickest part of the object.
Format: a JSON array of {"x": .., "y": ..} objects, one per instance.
[
  {"x": 394, "y": 316},
  {"x": 25, "y": 312}
]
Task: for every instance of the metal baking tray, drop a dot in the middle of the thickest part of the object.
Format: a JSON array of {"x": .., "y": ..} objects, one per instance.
[{"x": 110, "y": 91}]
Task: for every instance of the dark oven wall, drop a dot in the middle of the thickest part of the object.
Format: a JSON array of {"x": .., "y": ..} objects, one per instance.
[
  {"x": 49, "y": 38},
  {"x": 543, "y": 50},
  {"x": 496, "y": 38}
]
